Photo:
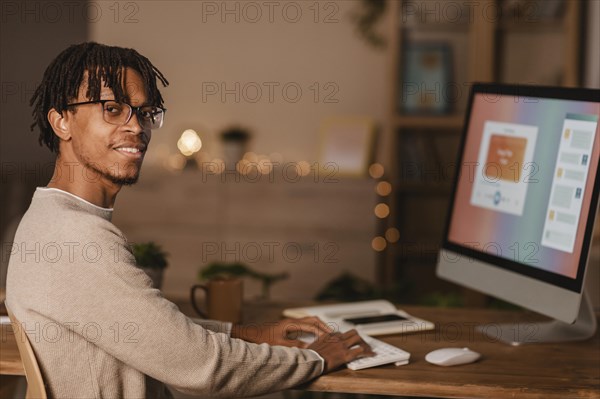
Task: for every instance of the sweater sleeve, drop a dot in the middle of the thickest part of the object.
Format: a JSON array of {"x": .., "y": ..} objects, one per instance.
[{"x": 100, "y": 294}]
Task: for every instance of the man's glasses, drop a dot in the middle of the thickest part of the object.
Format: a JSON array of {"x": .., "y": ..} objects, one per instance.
[{"x": 116, "y": 113}]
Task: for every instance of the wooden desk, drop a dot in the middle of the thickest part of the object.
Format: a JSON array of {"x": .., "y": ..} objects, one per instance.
[{"x": 531, "y": 371}]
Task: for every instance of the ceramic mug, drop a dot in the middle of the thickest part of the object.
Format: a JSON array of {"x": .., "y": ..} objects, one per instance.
[{"x": 223, "y": 298}]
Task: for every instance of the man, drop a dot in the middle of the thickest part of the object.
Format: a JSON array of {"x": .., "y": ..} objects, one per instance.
[{"x": 97, "y": 326}]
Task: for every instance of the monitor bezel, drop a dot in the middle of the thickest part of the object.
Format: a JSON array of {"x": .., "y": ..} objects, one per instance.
[{"x": 562, "y": 93}]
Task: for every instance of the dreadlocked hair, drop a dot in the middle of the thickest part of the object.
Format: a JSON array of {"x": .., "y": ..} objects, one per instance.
[{"x": 65, "y": 74}]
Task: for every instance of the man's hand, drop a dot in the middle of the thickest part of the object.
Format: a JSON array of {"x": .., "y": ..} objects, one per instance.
[
  {"x": 335, "y": 348},
  {"x": 338, "y": 349},
  {"x": 284, "y": 332}
]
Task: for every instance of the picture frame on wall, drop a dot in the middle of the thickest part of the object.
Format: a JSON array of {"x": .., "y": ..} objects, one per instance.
[
  {"x": 347, "y": 145},
  {"x": 425, "y": 77}
]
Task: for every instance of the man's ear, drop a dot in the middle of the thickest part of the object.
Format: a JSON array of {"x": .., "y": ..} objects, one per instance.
[{"x": 59, "y": 124}]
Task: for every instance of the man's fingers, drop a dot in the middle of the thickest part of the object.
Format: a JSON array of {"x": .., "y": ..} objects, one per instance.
[
  {"x": 315, "y": 323},
  {"x": 308, "y": 328},
  {"x": 339, "y": 348},
  {"x": 312, "y": 325},
  {"x": 358, "y": 347},
  {"x": 358, "y": 352},
  {"x": 349, "y": 334},
  {"x": 351, "y": 338}
]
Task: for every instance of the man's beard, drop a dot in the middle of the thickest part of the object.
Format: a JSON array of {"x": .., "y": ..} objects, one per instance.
[{"x": 113, "y": 175}]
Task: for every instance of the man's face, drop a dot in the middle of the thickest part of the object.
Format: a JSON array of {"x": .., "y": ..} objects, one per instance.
[{"x": 104, "y": 149}]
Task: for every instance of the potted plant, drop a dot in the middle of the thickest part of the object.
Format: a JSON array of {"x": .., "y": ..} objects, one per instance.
[
  {"x": 346, "y": 288},
  {"x": 152, "y": 259}
]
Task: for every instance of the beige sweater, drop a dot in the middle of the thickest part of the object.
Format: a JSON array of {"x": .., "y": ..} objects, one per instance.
[{"x": 100, "y": 331}]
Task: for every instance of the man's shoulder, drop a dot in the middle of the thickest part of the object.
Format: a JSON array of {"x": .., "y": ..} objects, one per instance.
[{"x": 64, "y": 218}]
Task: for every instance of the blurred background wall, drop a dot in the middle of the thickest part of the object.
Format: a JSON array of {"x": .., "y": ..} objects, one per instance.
[{"x": 276, "y": 70}]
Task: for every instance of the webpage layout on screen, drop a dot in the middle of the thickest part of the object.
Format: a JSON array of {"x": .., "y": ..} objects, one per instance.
[
  {"x": 531, "y": 166},
  {"x": 568, "y": 185}
]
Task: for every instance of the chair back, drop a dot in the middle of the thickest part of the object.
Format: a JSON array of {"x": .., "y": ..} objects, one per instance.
[{"x": 35, "y": 383}]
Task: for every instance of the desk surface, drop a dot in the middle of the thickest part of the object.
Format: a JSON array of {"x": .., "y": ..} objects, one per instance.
[{"x": 530, "y": 371}]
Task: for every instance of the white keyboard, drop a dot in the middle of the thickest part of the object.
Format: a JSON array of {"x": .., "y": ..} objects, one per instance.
[{"x": 385, "y": 353}]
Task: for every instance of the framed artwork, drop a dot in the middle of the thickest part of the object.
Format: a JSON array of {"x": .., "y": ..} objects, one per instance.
[
  {"x": 426, "y": 74},
  {"x": 347, "y": 145}
]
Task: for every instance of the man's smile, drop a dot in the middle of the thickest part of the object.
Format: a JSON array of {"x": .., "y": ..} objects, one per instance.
[{"x": 135, "y": 151}]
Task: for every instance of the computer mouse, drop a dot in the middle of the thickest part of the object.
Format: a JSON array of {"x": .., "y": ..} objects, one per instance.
[{"x": 452, "y": 356}]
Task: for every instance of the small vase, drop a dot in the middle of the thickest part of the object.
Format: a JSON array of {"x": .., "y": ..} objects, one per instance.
[{"x": 233, "y": 152}]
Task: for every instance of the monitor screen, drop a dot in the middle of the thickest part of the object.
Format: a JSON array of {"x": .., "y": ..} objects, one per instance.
[
  {"x": 527, "y": 181},
  {"x": 525, "y": 196}
]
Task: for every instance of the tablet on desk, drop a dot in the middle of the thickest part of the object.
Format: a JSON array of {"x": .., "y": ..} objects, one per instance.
[{"x": 378, "y": 317}]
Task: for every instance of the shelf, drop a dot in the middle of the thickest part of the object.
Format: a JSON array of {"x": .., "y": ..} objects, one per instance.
[
  {"x": 521, "y": 41},
  {"x": 454, "y": 122}
]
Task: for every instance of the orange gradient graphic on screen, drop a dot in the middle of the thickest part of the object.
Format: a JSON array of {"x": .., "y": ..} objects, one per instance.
[{"x": 505, "y": 158}]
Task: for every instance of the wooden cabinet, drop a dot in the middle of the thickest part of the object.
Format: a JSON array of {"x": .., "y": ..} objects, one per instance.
[{"x": 510, "y": 41}]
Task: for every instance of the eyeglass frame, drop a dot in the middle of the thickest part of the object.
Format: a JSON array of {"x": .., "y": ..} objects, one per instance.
[{"x": 131, "y": 107}]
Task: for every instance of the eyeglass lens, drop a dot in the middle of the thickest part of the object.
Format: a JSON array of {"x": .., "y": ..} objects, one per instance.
[{"x": 119, "y": 114}]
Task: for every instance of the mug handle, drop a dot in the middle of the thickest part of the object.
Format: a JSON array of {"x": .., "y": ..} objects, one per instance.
[{"x": 193, "y": 300}]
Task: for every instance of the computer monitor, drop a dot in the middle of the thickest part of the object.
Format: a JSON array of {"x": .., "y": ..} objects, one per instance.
[{"x": 523, "y": 205}]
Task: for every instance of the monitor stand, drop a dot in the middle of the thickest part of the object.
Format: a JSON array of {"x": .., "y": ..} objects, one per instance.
[{"x": 517, "y": 334}]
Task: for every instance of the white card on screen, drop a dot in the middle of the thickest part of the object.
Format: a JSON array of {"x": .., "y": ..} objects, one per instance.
[{"x": 452, "y": 356}]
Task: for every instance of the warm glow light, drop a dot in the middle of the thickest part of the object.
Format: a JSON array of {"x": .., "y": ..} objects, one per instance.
[
  {"x": 243, "y": 166},
  {"x": 382, "y": 211},
  {"x": 303, "y": 168},
  {"x": 218, "y": 165},
  {"x": 189, "y": 142},
  {"x": 265, "y": 166},
  {"x": 378, "y": 244},
  {"x": 376, "y": 170},
  {"x": 383, "y": 188},
  {"x": 251, "y": 156},
  {"x": 392, "y": 235}
]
